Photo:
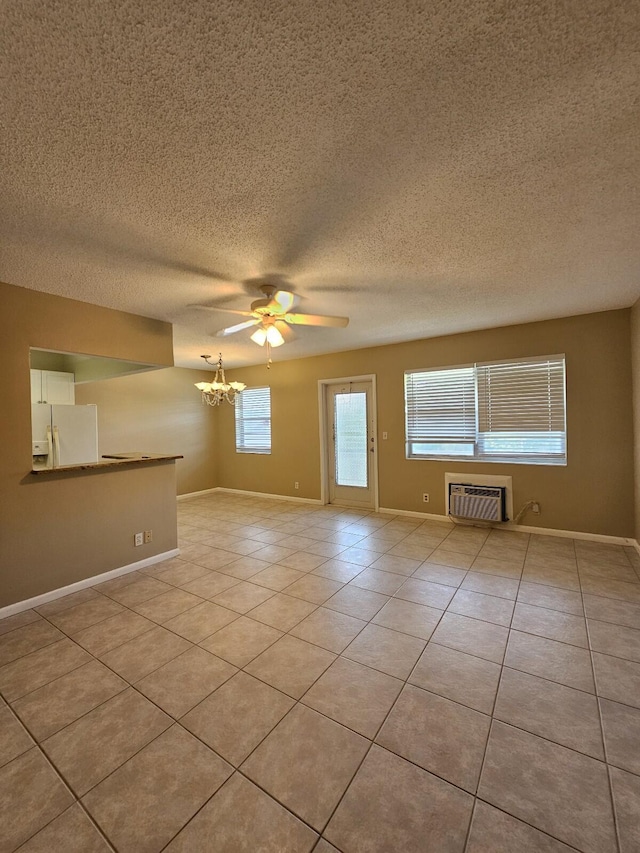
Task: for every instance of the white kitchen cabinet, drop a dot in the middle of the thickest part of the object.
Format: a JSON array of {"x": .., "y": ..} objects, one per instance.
[{"x": 52, "y": 386}]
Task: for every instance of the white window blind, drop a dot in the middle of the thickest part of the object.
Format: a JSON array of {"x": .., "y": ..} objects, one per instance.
[
  {"x": 253, "y": 421},
  {"x": 511, "y": 411}
]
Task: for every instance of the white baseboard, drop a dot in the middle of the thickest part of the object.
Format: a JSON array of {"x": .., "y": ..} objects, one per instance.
[
  {"x": 188, "y": 495},
  {"x": 522, "y": 528},
  {"x": 267, "y": 495},
  {"x": 19, "y": 606}
]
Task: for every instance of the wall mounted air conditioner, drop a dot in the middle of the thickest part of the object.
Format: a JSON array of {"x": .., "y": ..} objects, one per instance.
[{"x": 477, "y": 502}]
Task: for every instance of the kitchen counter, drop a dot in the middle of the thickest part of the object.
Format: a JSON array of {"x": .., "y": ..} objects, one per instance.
[{"x": 111, "y": 461}]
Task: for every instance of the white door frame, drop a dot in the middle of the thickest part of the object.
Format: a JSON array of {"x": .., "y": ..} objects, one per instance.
[{"x": 323, "y": 384}]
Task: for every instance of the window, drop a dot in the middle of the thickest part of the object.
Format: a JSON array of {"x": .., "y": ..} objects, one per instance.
[
  {"x": 253, "y": 421},
  {"x": 507, "y": 411}
]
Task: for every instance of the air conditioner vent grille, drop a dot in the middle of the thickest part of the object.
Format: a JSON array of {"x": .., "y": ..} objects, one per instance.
[{"x": 485, "y": 503}]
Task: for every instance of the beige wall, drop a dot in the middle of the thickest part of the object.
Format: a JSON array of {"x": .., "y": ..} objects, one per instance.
[
  {"x": 593, "y": 493},
  {"x": 635, "y": 369},
  {"x": 158, "y": 412},
  {"x": 55, "y": 531}
]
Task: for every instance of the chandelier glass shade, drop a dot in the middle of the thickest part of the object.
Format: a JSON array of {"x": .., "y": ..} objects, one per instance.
[{"x": 218, "y": 391}]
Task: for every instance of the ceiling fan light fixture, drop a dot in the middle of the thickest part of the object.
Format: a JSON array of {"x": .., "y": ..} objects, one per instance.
[
  {"x": 259, "y": 336},
  {"x": 274, "y": 337}
]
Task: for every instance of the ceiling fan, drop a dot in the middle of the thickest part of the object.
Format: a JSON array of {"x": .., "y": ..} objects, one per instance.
[{"x": 273, "y": 317}]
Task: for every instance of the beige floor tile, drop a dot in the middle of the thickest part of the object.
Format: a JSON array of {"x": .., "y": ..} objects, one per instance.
[
  {"x": 325, "y": 549},
  {"x": 140, "y": 656},
  {"x": 552, "y": 711},
  {"x": 179, "y": 573},
  {"x": 338, "y": 570},
  {"x": 543, "y": 622},
  {"x": 504, "y": 568},
  {"x": 323, "y": 846},
  {"x": 18, "y": 620},
  {"x": 626, "y": 798},
  {"x": 611, "y": 589},
  {"x": 66, "y": 601},
  {"x": 563, "y": 562},
  {"x": 473, "y": 636},
  {"x": 60, "y": 702},
  {"x": 199, "y": 622},
  {"x": 314, "y": 588},
  {"x": 466, "y": 679},
  {"x": 241, "y": 641},
  {"x": 282, "y": 611},
  {"x": 551, "y": 577},
  {"x": 89, "y": 749},
  {"x": 243, "y": 819},
  {"x": 489, "y": 608},
  {"x": 617, "y": 679},
  {"x": 378, "y": 581},
  {"x": 566, "y": 601},
  {"x": 303, "y": 561},
  {"x": 291, "y": 665},
  {"x": 456, "y": 559},
  {"x": 610, "y": 610},
  {"x": 386, "y": 650},
  {"x": 550, "y": 659},
  {"x": 243, "y": 597},
  {"x": 32, "y": 671},
  {"x": 71, "y": 832},
  {"x": 363, "y": 557},
  {"x": 118, "y": 582},
  {"x": 209, "y": 585},
  {"x": 439, "y": 735},
  {"x": 141, "y": 590},
  {"x": 423, "y": 592},
  {"x": 493, "y": 831},
  {"x": 392, "y": 805},
  {"x": 84, "y": 615},
  {"x": 113, "y": 632},
  {"x": 150, "y": 798},
  {"x": 186, "y": 680},
  {"x": 328, "y": 628},
  {"x": 621, "y": 725},
  {"x": 355, "y": 695},
  {"x": 491, "y": 585},
  {"x": 213, "y": 558},
  {"x": 360, "y": 603},
  {"x": 31, "y": 795},
  {"x": 14, "y": 738},
  {"x": 614, "y": 640},
  {"x": 306, "y": 763},
  {"x": 29, "y": 638},
  {"x": 411, "y": 550},
  {"x": 276, "y": 577},
  {"x": 440, "y": 574},
  {"x": 165, "y": 606},
  {"x": 239, "y": 715},
  {"x": 395, "y": 564},
  {"x": 408, "y": 618},
  {"x": 244, "y": 567},
  {"x": 555, "y": 789},
  {"x": 273, "y": 553}
]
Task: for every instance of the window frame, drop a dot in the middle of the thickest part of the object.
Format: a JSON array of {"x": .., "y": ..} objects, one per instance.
[
  {"x": 240, "y": 418},
  {"x": 557, "y": 410}
]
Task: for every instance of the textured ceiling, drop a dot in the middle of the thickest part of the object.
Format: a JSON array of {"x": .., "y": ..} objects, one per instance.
[{"x": 422, "y": 167}]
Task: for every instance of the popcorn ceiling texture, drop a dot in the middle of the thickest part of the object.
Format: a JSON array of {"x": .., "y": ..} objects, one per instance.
[{"x": 422, "y": 167}]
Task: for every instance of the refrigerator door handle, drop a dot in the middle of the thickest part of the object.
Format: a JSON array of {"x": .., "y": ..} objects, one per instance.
[
  {"x": 50, "y": 444},
  {"x": 56, "y": 447}
]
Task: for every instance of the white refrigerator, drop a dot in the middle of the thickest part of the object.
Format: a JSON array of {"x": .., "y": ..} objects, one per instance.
[{"x": 64, "y": 435}]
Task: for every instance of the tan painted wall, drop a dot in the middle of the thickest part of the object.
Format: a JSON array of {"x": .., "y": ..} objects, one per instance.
[
  {"x": 158, "y": 412},
  {"x": 635, "y": 369},
  {"x": 54, "y": 532},
  {"x": 593, "y": 493}
]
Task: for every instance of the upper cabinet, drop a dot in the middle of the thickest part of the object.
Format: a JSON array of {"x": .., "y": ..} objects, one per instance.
[{"x": 52, "y": 386}]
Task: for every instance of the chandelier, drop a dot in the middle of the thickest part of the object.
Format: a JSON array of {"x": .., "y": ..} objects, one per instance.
[{"x": 213, "y": 393}]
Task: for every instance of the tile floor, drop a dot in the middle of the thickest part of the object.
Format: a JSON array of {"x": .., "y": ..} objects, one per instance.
[{"x": 315, "y": 678}]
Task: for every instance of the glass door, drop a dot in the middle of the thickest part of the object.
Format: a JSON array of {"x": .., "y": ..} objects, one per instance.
[{"x": 351, "y": 444}]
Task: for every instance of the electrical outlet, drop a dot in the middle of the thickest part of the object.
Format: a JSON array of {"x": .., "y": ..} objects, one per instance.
[
  {"x": 296, "y": 485},
  {"x": 425, "y": 498},
  {"x": 138, "y": 539},
  {"x": 148, "y": 536},
  {"x": 385, "y": 436}
]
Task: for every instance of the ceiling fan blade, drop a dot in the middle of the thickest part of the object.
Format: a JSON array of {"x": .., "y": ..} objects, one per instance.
[
  {"x": 285, "y": 330},
  {"x": 220, "y": 308},
  {"x": 231, "y": 330},
  {"x": 315, "y": 320},
  {"x": 284, "y": 299}
]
